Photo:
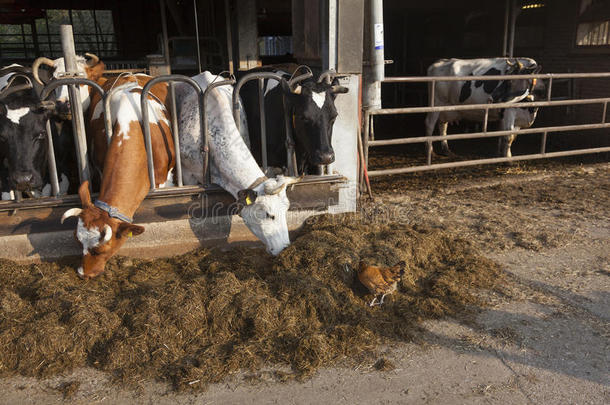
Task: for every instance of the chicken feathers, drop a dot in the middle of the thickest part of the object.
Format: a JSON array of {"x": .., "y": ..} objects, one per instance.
[{"x": 380, "y": 280}]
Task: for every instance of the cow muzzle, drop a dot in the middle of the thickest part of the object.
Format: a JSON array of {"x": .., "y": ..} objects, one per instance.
[
  {"x": 25, "y": 181},
  {"x": 323, "y": 158}
]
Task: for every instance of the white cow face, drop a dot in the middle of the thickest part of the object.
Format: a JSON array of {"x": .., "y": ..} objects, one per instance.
[{"x": 264, "y": 211}]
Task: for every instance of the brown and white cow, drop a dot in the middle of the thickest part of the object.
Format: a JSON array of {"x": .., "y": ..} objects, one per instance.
[{"x": 105, "y": 224}]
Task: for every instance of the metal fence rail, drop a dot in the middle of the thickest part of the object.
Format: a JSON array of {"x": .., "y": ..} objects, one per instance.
[{"x": 369, "y": 133}]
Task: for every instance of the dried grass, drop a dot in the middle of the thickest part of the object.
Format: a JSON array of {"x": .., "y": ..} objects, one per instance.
[{"x": 195, "y": 319}]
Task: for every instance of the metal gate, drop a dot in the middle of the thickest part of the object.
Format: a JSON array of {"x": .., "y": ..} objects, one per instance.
[{"x": 369, "y": 140}]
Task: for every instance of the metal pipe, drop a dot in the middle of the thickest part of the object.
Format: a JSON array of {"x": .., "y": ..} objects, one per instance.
[
  {"x": 513, "y": 23},
  {"x": 246, "y": 78},
  {"x": 229, "y": 36},
  {"x": 505, "y": 38},
  {"x": 174, "y": 114},
  {"x": 78, "y": 122},
  {"x": 543, "y": 143},
  {"x": 465, "y": 163},
  {"x": 197, "y": 36},
  {"x": 419, "y": 79},
  {"x": 261, "y": 107},
  {"x": 465, "y": 107},
  {"x": 52, "y": 163},
  {"x": 604, "y": 112},
  {"x": 377, "y": 41},
  {"x": 549, "y": 89},
  {"x": 432, "y": 92},
  {"x": 145, "y": 118},
  {"x": 164, "y": 33},
  {"x": 206, "y": 142},
  {"x": 476, "y": 135},
  {"x": 365, "y": 138},
  {"x": 486, "y": 120}
]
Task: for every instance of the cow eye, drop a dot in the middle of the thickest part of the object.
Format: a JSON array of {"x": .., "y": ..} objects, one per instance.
[
  {"x": 41, "y": 135},
  {"x": 270, "y": 216}
]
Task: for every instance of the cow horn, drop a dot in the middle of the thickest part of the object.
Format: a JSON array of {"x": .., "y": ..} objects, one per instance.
[
  {"x": 520, "y": 64},
  {"x": 107, "y": 234},
  {"x": 296, "y": 80},
  {"x": 286, "y": 183},
  {"x": 327, "y": 75},
  {"x": 40, "y": 61},
  {"x": 72, "y": 212},
  {"x": 94, "y": 59}
]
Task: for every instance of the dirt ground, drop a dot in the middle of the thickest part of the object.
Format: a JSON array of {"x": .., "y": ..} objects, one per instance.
[{"x": 545, "y": 339}]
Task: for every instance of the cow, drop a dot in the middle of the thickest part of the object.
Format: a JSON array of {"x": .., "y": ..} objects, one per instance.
[
  {"x": 483, "y": 92},
  {"x": 88, "y": 67},
  {"x": 312, "y": 112},
  {"x": 23, "y": 137},
  {"x": 262, "y": 201},
  {"x": 105, "y": 224}
]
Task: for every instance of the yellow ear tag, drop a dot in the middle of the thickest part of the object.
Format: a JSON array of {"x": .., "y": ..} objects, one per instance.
[
  {"x": 248, "y": 200},
  {"x": 130, "y": 234}
]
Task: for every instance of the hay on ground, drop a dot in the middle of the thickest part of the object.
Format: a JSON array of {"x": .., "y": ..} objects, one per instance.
[{"x": 195, "y": 319}]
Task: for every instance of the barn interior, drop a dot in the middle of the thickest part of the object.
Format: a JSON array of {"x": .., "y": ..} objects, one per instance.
[{"x": 188, "y": 36}]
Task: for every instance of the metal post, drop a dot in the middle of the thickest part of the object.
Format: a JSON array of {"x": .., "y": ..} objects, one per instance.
[
  {"x": 197, "y": 36},
  {"x": 604, "y": 112},
  {"x": 329, "y": 56},
  {"x": 174, "y": 113},
  {"x": 486, "y": 120},
  {"x": 229, "y": 36},
  {"x": 78, "y": 122},
  {"x": 52, "y": 164},
  {"x": 506, "y": 17},
  {"x": 513, "y": 22},
  {"x": 549, "y": 89},
  {"x": 374, "y": 71},
  {"x": 432, "y": 92},
  {"x": 543, "y": 143},
  {"x": 164, "y": 33},
  {"x": 261, "y": 107}
]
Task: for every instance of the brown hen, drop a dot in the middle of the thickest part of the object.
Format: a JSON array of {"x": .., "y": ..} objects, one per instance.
[{"x": 380, "y": 280}]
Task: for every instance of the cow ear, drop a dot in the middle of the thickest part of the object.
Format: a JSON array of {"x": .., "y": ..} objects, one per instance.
[
  {"x": 128, "y": 230},
  {"x": 85, "y": 196},
  {"x": 246, "y": 197}
]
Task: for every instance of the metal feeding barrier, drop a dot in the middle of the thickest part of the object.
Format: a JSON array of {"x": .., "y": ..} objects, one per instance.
[
  {"x": 290, "y": 145},
  {"x": 369, "y": 133}
]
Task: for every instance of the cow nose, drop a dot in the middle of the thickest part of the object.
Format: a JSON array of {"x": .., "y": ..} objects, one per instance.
[
  {"x": 324, "y": 158},
  {"x": 23, "y": 180}
]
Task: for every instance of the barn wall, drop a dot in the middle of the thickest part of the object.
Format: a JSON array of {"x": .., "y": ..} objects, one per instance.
[{"x": 560, "y": 55}]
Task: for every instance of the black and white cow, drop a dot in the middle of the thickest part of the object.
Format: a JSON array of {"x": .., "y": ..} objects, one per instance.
[
  {"x": 483, "y": 92},
  {"x": 263, "y": 202},
  {"x": 23, "y": 139},
  {"x": 311, "y": 105}
]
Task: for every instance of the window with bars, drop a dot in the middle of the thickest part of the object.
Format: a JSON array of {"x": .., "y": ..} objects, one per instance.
[
  {"x": 593, "y": 29},
  {"x": 93, "y": 32}
]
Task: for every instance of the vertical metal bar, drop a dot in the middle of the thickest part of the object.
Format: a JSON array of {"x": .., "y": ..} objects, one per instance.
[
  {"x": 543, "y": 143},
  {"x": 486, "y": 120},
  {"x": 197, "y": 36},
  {"x": 261, "y": 109},
  {"x": 147, "y": 140},
  {"x": 365, "y": 143},
  {"x": 174, "y": 113},
  {"x": 229, "y": 36},
  {"x": 164, "y": 32},
  {"x": 432, "y": 92},
  {"x": 513, "y": 23},
  {"x": 505, "y": 40},
  {"x": 330, "y": 56},
  {"x": 52, "y": 163},
  {"x": 549, "y": 89},
  {"x": 372, "y": 129},
  {"x": 78, "y": 122},
  {"x": 604, "y": 112}
]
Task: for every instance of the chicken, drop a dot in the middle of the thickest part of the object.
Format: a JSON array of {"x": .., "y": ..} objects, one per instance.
[{"x": 380, "y": 280}]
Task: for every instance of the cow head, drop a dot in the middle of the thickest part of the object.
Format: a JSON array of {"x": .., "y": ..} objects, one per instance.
[
  {"x": 23, "y": 137},
  {"x": 263, "y": 209},
  {"x": 311, "y": 105},
  {"x": 512, "y": 91},
  {"x": 99, "y": 234},
  {"x": 89, "y": 66}
]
